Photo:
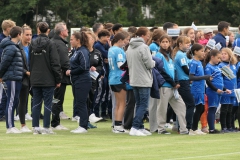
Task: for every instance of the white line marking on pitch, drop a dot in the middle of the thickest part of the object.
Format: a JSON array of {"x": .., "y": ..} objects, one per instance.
[{"x": 213, "y": 155}]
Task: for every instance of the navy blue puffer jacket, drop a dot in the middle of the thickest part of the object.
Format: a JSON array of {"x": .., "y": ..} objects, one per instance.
[{"x": 11, "y": 67}]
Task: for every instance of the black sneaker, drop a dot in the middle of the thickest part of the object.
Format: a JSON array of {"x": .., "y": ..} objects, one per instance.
[
  {"x": 225, "y": 131},
  {"x": 215, "y": 131},
  {"x": 164, "y": 132}
]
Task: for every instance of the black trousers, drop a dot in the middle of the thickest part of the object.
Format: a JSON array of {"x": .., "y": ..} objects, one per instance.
[
  {"x": 23, "y": 103},
  {"x": 59, "y": 94},
  {"x": 91, "y": 95},
  {"x": 81, "y": 90},
  {"x": 226, "y": 116},
  {"x": 129, "y": 111},
  {"x": 188, "y": 99},
  {"x": 196, "y": 117}
]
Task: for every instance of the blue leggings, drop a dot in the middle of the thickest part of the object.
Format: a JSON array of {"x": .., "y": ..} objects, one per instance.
[{"x": 211, "y": 118}]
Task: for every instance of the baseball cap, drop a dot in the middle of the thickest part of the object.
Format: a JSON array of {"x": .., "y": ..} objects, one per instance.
[{"x": 206, "y": 31}]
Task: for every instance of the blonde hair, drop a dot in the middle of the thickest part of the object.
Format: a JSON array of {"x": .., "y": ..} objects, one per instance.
[
  {"x": 182, "y": 40},
  {"x": 91, "y": 34},
  {"x": 26, "y": 27},
  {"x": 8, "y": 24},
  {"x": 232, "y": 58}
]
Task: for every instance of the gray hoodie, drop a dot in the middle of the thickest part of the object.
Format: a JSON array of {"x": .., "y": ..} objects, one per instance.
[{"x": 140, "y": 63}]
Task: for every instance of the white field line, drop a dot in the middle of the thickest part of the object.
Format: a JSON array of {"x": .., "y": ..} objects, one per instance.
[{"x": 206, "y": 156}]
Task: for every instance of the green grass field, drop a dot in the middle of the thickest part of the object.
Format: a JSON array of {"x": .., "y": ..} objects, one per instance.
[{"x": 101, "y": 143}]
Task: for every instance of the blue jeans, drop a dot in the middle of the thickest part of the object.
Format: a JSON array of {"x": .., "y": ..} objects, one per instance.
[
  {"x": 141, "y": 95},
  {"x": 39, "y": 94}
]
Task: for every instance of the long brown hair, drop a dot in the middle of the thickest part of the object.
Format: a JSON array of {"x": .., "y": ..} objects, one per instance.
[
  {"x": 232, "y": 58},
  {"x": 157, "y": 33},
  {"x": 182, "y": 40},
  {"x": 213, "y": 53},
  {"x": 82, "y": 36},
  {"x": 165, "y": 52}
]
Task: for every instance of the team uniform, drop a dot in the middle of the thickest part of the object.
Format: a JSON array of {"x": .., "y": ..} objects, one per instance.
[
  {"x": 115, "y": 55},
  {"x": 184, "y": 90},
  {"x": 198, "y": 87},
  {"x": 213, "y": 96},
  {"x": 167, "y": 96},
  {"x": 154, "y": 47},
  {"x": 227, "y": 100}
]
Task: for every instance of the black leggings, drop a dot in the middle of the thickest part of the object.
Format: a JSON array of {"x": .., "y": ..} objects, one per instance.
[
  {"x": 225, "y": 116},
  {"x": 23, "y": 100},
  {"x": 196, "y": 117},
  {"x": 235, "y": 115},
  {"x": 170, "y": 114}
]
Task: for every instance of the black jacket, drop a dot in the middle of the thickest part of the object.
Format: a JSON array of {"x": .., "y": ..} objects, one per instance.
[
  {"x": 44, "y": 63},
  {"x": 62, "y": 49},
  {"x": 26, "y": 79},
  {"x": 96, "y": 60},
  {"x": 11, "y": 66}
]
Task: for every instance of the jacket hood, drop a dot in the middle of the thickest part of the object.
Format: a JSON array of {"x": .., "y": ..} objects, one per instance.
[
  {"x": 135, "y": 42},
  {"x": 40, "y": 43},
  {"x": 6, "y": 42}
]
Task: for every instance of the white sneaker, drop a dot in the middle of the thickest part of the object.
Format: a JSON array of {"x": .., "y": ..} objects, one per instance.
[
  {"x": 47, "y": 131},
  {"x": 16, "y": 118},
  {"x": 62, "y": 115},
  {"x": 76, "y": 118},
  {"x": 192, "y": 133},
  {"x": 200, "y": 132},
  {"x": 79, "y": 130},
  {"x": 144, "y": 131},
  {"x": 168, "y": 126},
  {"x": 59, "y": 127},
  {"x": 13, "y": 130},
  {"x": 119, "y": 129},
  {"x": 25, "y": 129},
  {"x": 94, "y": 119},
  {"x": 136, "y": 132},
  {"x": 28, "y": 117},
  {"x": 37, "y": 130}
]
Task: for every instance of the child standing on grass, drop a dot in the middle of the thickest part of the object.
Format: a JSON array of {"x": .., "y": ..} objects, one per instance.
[
  {"x": 196, "y": 74},
  {"x": 168, "y": 89},
  {"x": 227, "y": 100},
  {"x": 215, "y": 87},
  {"x": 116, "y": 57}
]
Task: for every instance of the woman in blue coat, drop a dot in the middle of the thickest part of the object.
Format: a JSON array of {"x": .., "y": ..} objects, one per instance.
[{"x": 80, "y": 77}]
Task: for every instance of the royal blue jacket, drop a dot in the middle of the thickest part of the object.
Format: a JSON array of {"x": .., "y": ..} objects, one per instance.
[
  {"x": 80, "y": 64},
  {"x": 219, "y": 38},
  {"x": 11, "y": 67}
]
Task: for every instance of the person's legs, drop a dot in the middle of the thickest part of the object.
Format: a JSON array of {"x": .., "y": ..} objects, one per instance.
[
  {"x": 229, "y": 116},
  {"x": 13, "y": 92},
  {"x": 203, "y": 118},
  {"x": 47, "y": 98},
  {"x": 3, "y": 101},
  {"x": 223, "y": 116},
  {"x": 129, "y": 111},
  {"x": 153, "y": 103},
  {"x": 57, "y": 107},
  {"x": 238, "y": 116},
  {"x": 113, "y": 107},
  {"x": 105, "y": 99},
  {"x": 234, "y": 115},
  {"x": 98, "y": 96},
  {"x": 165, "y": 94},
  {"x": 120, "y": 106},
  {"x": 23, "y": 99},
  {"x": 82, "y": 88},
  {"x": 142, "y": 95},
  {"x": 211, "y": 118},
  {"x": 37, "y": 105},
  {"x": 180, "y": 109},
  {"x": 196, "y": 117},
  {"x": 169, "y": 113}
]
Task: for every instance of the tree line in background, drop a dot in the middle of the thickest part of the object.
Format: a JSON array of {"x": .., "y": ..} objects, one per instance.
[{"x": 78, "y": 13}]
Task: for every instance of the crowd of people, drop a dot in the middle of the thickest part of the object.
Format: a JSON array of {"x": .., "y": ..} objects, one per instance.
[{"x": 126, "y": 76}]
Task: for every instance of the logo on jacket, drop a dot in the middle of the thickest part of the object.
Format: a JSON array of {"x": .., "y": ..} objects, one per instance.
[{"x": 96, "y": 57}]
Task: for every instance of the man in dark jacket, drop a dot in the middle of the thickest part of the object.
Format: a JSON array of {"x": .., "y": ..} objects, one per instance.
[
  {"x": 60, "y": 34},
  {"x": 45, "y": 76},
  {"x": 11, "y": 72},
  {"x": 6, "y": 27}
]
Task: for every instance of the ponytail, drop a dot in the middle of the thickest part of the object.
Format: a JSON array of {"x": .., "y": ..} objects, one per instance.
[
  {"x": 182, "y": 40},
  {"x": 211, "y": 53}
]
